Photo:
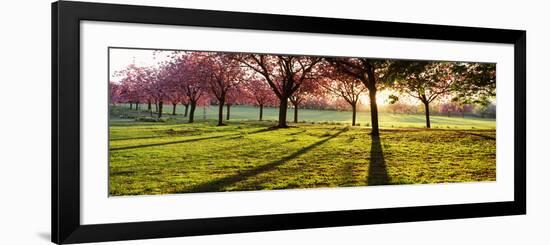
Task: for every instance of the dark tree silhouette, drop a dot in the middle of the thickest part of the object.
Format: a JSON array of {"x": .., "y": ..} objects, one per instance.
[{"x": 368, "y": 71}]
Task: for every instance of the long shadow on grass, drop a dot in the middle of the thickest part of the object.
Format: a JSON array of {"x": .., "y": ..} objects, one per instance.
[
  {"x": 137, "y": 138},
  {"x": 487, "y": 137},
  {"x": 188, "y": 140},
  {"x": 167, "y": 143},
  {"x": 217, "y": 185},
  {"x": 378, "y": 174}
]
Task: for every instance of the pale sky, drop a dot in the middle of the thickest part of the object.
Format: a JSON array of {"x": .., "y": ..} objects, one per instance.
[{"x": 120, "y": 58}]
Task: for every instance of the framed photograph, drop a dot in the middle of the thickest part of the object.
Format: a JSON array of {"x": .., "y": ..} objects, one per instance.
[{"x": 174, "y": 122}]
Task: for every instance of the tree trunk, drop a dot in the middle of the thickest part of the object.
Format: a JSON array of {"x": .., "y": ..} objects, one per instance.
[
  {"x": 149, "y": 105},
  {"x": 137, "y": 106},
  {"x": 131, "y": 105},
  {"x": 353, "y": 114},
  {"x": 295, "y": 112},
  {"x": 174, "y": 108},
  {"x": 427, "y": 110},
  {"x": 283, "y": 103},
  {"x": 373, "y": 112},
  {"x": 160, "y": 110},
  {"x": 228, "y": 110},
  {"x": 186, "y": 110},
  {"x": 261, "y": 111},
  {"x": 220, "y": 113},
  {"x": 156, "y": 107},
  {"x": 192, "y": 112}
]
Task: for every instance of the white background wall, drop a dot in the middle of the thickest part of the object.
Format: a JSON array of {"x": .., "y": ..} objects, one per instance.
[{"x": 25, "y": 137}]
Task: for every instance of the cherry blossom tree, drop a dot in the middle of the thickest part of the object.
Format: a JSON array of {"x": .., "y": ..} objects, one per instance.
[
  {"x": 317, "y": 102},
  {"x": 400, "y": 107},
  {"x": 284, "y": 74},
  {"x": 343, "y": 85},
  {"x": 448, "y": 108},
  {"x": 188, "y": 72},
  {"x": 115, "y": 93},
  {"x": 455, "y": 107},
  {"x": 309, "y": 88},
  {"x": 175, "y": 96},
  {"x": 223, "y": 80},
  {"x": 260, "y": 94},
  {"x": 134, "y": 82},
  {"x": 184, "y": 100},
  {"x": 340, "y": 104},
  {"x": 160, "y": 86},
  {"x": 149, "y": 84}
]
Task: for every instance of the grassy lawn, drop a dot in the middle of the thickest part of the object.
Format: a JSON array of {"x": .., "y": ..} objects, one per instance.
[
  {"x": 176, "y": 157},
  {"x": 386, "y": 120}
]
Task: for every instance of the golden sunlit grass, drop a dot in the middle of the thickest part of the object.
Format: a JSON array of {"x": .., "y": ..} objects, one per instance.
[{"x": 175, "y": 157}]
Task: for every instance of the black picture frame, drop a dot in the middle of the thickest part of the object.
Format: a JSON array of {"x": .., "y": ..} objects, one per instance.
[{"x": 66, "y": 17}]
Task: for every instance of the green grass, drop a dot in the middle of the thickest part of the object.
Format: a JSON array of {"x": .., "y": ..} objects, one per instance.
[
  {"x": 386, "y": 120},
  {"x": 176, "y": 157}
]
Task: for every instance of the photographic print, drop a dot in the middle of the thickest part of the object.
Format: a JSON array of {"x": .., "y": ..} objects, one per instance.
[
  {"x": 201, "y": 121},
  {"x": 222, "y": 122}
]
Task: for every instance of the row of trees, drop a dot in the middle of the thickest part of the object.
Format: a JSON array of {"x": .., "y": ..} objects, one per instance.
[{"x": 195, "y": 78}]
